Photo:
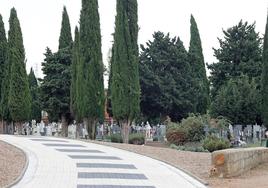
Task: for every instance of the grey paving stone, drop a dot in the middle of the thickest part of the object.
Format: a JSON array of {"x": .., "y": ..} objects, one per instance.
[
  {"x": 113, "y": 186},
  {"x": 79, "y": 150},
  {"x": 94, "y": 157},
  {"x": 102, "y": 175},
  {"x": 105, "y": 165},
  {"x": 65, "y": 145},
  {"x": 48, "y": 140}
]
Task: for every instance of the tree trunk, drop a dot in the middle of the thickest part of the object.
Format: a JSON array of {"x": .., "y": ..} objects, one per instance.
[
  {"x": 93, "y": 133},
  {"x": 125, "y": 130},
  {"x": 64, "y": 126},
  {"x": 85, "y": 124},
  {"x": 19, "y": 127},
  {"x": 2, "y": 126}
]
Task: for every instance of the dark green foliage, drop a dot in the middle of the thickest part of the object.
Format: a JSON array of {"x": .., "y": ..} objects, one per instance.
[
  {"x": 19, "y": 99},
  {"x": 125, "y": 76},
  {"x": 239, "y": 54},
  {"x": 213, "y": 143},
  {"x": 265, "y": 77},
  {"x": 55, "y": 86},
  {"x": 194, "y": 126},
  {"x": 239, "y": 101},
  {"x": 65, "y": 39},
  {"x": 117, "y": 138},
  {"x": 35, "y": 95},
  {"x": 165, "y": 78},
  {"x": 90, "y": 68},
  {"x": 137, "y": 138},
  {"x": 74, "y": 69},
  {"x": 4, "y": 73},
  {"x": 109, "y": 92},
  {"x": 199, "y": 78}
]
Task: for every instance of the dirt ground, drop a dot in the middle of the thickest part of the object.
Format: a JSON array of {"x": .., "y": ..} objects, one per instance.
[
  {"x": 198, "y": 164},
  {"x": 12, "y": 162}
]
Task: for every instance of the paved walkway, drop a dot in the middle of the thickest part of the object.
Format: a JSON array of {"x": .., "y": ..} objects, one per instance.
[{"x": 63, "y": 163}]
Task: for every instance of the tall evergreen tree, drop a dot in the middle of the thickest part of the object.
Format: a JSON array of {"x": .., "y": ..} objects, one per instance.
[
  {"x": 125, "y": 75},
  {"x": 35, "y": 95},
  {"x": 200, "y": 81},
  {"x": 239, "y": 54},
  {"x": 91, "y": 58},
  {"x": 265, "y": 77},
  {"x": 74, "y": 67},
  {"x": 3, "y": 72},
  {"x": 65, "y": 39},
  {"x": 165, "y": 79},
  {"x": 19, "y": 99}
]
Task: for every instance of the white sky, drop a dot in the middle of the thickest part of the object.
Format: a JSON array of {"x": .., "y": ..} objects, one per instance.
[{"x": 41, "y": 21}]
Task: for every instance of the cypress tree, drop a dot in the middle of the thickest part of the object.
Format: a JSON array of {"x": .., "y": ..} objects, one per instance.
[
  {"x": 91, "y": 57},
  {"x": 125, "y": 76},
  {"x": 75, "y": 60},
  {"x": 200, "y": 81},
  {"x": 35, "y": 95},
  {"x": 65, "y": 39},
  {"x": 3, "y": 73},
  {"x": 19, "y": 99},
  {"x": 265, "y": 77}
]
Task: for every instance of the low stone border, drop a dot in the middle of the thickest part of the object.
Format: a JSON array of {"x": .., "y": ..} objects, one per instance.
[
  {"x": 17, "y": 180},
  {"x": 183, "y": 170}
]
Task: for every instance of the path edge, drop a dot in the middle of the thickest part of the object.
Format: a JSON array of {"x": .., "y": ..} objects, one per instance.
[
  {"x": 19, "y": 178},
  {"x": 168, "y": 163}
]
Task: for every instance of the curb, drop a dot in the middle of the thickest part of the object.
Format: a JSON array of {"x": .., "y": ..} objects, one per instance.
[
  {"x": 183, "y": 170},
  {"x": 17, "y": 180}
]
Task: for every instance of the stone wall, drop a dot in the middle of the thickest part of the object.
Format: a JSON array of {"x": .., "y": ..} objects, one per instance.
[{"x": 234, "y": 162}]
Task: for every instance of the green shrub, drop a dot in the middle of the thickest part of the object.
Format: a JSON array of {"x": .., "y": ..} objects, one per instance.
[
  {"x": 213, "y": 143},
  {"x": 117, "y": 138},
  {"x": 136, "y": 138},
  {"x": 155, "y": 139},
  {"x": 194, "y": 126},
  {"x": 188, "y": 148},
  {"x": 177, "y": 136}
]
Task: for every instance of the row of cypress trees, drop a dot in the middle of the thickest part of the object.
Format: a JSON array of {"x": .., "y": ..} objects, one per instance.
[
  {"x": 15, "y": 97},
  {"x": 86, "y": 89}
]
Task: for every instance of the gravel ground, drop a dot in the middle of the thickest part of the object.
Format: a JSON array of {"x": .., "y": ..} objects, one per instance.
[
  {"x": 12, "y": 162},
  {"x": 199, "y": 165}
]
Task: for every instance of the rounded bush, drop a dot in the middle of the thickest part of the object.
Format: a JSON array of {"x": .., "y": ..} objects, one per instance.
[{"x": 212, "y": 143}]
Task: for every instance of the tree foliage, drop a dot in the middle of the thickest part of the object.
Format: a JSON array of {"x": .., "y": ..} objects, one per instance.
[
  {"x": 4, "y": 71},
  {"x": 239, "y": 101},
  {"x": 55, "y": 86},
  {"x": 19, "y": 100},
  {"x": 91, "y": 62},
  {"x": 239, "y": 54},
  {"x": 74, "y": 69},
  {"x": 200, "y": 82},
  {"x": 125, "y": 76},
  {"x": 65, "y": 39},
  {"x": 165, "y": 78},
  {"x": 125, "y": 88},
  {"x": 35, "y": 95},
  {"x": 265, "y": 77}
]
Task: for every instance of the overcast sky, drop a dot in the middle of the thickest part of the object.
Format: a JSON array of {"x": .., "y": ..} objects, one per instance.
[{"x": 41, "y": 21}]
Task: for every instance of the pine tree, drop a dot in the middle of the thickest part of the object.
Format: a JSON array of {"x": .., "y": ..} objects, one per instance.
[
  {"x": 125, "y": 75},
  {"x": 65, "y": 39},
  {"x": 35, "y": 95},
  {"x": 265, "y": 77},
  {"x": 240, "y": 53},
  {"x": 74, "y": 67},
  {"x": 19, "y": 99},
  {"x": 200, "y": 81},
  {"x": 3, "y": 74},
  {"x": 168, "y": 92},
  {"x": 91, "y": 57}
]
